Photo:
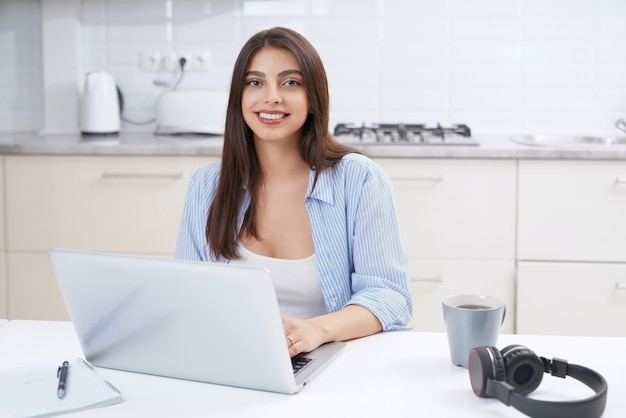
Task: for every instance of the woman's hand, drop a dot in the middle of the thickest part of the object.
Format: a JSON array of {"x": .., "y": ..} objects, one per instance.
[
  {"x": 353, "y": 321},
  {"x": 302, "y": 335}
]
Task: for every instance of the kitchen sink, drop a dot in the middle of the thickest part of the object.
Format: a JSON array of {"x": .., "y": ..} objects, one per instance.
[{"x": 569, "y": 141}]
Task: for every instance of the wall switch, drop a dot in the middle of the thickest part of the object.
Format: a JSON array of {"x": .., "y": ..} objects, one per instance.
[{"x": 169, "y": 61}]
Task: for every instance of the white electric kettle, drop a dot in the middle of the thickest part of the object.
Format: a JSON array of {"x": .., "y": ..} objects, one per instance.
[{"x": 100, "y": 105}]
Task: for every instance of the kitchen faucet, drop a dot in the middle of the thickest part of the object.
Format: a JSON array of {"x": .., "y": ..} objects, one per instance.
[{"x": 620, "y": 124}]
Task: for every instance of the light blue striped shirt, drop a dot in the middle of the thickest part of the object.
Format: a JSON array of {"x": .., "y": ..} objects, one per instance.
[{"x": 360, "y": 257}]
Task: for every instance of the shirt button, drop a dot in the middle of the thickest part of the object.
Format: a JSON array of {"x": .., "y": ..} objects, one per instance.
[{"x": 333, "y": 304}]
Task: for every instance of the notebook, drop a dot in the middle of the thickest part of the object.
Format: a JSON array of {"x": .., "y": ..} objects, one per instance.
[
  {"x": 31, "y": 391},
  {"x": 207, "y": 322}
]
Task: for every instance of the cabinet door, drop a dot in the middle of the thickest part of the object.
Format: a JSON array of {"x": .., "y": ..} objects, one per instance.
[
  {"x": 432, "y": 280},
  {"x": 120, "y": 204},
  {"x": 455, "y": 208},
  {"x": 571, "y": 298},
  {"x": 33, "y": 291},
  {"x": 4, "y": 313},
  {"x": 572, "y": 211}
]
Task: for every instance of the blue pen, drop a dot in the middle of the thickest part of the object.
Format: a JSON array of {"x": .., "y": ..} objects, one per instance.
[{"x": 62, "y": 375}]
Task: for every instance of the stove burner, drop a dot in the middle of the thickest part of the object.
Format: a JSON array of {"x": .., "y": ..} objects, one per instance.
[{"x": 407, "y": 133}]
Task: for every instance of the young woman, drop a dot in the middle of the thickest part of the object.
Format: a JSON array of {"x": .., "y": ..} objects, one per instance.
[{"x": 288, "y": 197}]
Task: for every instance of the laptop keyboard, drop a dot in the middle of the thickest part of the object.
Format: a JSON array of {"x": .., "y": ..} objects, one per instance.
[{"x": 299, "y": 363}]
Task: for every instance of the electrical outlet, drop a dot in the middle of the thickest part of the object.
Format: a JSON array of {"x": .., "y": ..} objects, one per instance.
[
  {"x": 169, "y": 61},
  {"x": 188, "y": 55},
  {"x": 150, "y": 61},
  {"x": 199, "y": 61}
]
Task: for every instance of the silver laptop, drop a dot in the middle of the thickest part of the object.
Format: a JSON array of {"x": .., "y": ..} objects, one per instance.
[{"x": 207, "y": 322}]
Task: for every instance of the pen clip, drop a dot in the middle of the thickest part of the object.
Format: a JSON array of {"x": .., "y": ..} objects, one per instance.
[{"x": 65, "y": 364}]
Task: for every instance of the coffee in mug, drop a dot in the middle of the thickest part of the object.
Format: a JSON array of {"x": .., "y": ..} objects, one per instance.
[{"x": 473, "y": 306}]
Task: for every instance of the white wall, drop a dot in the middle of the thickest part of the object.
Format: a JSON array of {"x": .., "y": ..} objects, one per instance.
[
  {"x": 20, "y": 65},
  {"x": 497, "y": 65}
]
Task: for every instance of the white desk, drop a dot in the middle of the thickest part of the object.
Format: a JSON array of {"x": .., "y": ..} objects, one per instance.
[
  {"x": 3, "y": 321},
  {"x": 386, "y": 375}
]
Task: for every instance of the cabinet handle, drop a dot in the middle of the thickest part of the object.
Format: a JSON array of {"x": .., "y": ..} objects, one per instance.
[
  {"x": 620, "y": 285},
  {"x": 436, "y": 279},
  {"x": 143, "y": 176},
  {"x": 429, "y": 179},
  {"x": 620, "y": 180}
]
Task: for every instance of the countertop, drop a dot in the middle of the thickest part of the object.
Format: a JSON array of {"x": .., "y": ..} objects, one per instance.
[{"x": 492, "y": 146}]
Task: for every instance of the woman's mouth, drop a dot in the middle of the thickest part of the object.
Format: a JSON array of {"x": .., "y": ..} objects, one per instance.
[{"x": 271, "y": 118}]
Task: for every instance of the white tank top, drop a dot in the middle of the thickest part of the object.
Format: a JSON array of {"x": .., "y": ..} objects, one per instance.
[{"x": 296, "y": 282}]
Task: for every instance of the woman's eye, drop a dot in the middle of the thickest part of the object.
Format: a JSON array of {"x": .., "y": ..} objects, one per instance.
[
  {"x": 292, "y": 82},
  {"x": 253, "y": 83}
]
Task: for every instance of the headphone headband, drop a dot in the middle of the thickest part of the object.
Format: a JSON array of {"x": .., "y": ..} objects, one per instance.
[{"x": 498, "y": 387}]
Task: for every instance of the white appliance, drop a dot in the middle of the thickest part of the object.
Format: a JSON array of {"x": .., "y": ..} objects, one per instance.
[
  {"x": 100, "y": 105},
  {"x": 191, "y": 112}
]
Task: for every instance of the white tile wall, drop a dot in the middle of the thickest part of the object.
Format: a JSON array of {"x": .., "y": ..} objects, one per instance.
[
  {"x": 497, "y": 65},
  {"x": 20, "y": 65}
]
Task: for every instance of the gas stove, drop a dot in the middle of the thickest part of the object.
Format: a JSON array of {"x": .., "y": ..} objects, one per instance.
[{"x": 400, "y": 133}]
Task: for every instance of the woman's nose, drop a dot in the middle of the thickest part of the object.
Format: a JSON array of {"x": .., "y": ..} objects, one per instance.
[{"x": 273, "y": 95}]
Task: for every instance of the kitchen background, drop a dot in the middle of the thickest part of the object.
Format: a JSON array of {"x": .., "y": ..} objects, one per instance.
[{"x": 496, "y": 65}]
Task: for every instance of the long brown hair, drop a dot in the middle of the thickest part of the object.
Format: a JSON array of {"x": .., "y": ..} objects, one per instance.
[{"x": 240, "y": 168}]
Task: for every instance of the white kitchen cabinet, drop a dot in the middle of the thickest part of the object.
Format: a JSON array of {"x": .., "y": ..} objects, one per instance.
[
  {"x": 432, "y": 280},
  {"x": 127, "y": 204},
  {"x": 455, "y": 208},
  {"x": 33, "y": 291},
  {"x": 4, "y": 297},
  {"x": 571, "y": 298},
  {"x": 457, "y": 220},
  {"x": 572, "y": 210},
  {"x": 122, "y": 204},
  {"x": 571, "y": 247}
]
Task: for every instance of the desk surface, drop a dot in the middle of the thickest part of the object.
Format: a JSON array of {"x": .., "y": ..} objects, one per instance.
[{"x": 393, "y": 374}]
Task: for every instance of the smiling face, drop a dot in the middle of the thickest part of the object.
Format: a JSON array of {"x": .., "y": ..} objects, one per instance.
[{"x": 274, "y": 102}]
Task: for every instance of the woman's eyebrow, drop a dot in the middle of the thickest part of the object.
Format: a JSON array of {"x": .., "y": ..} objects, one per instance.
[
  {"x": 289, "y": 72},
  {"x": 281, "y": 74},
  {"x": 255, "y": 73}
]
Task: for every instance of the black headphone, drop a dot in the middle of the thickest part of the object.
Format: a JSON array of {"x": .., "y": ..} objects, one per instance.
[{"x": 516, "y": 371}]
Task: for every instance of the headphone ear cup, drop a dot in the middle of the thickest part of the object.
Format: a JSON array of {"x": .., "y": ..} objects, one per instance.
[
  {"x": 485, "y": 363},
  {"x": 524, "y": 369}
]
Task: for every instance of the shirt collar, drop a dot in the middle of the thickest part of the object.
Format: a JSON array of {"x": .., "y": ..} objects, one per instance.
[{"x": 324, "y": 188}]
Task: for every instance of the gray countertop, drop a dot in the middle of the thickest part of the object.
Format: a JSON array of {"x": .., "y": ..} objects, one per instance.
[{"x": 491, "y": 147}]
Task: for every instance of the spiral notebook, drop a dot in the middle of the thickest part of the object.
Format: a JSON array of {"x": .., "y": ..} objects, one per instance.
[{"x": 31, "y": 391}]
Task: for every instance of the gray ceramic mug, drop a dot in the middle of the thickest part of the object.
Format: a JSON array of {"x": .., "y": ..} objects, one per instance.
[{"x": 471, "y": 321}]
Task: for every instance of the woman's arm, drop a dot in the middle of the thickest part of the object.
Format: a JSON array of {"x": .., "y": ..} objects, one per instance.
[
  {"x": 362, "y": 264},
  {"x": 191, "y": 243},
  {"x": 380, "y": 271}
]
